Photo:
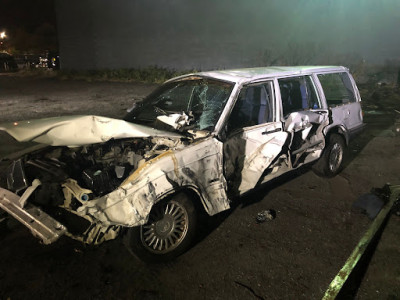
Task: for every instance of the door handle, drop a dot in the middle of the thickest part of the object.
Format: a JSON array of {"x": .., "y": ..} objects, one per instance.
[
  {"x": 272, "y": 131},
  {"x": 321, "y": 112}
]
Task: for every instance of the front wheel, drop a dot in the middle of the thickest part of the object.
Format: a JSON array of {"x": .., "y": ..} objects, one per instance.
[
  {"x": 168, "y": 233},
  {"x": 331, "y": 161}
]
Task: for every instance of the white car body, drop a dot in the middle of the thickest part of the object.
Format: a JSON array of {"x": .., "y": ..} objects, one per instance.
[{"x": 215, "y": 163}]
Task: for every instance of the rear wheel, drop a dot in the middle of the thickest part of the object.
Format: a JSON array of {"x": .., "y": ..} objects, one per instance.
[
  {"x": 168, "y": 233},
  {"x": 331, "y": 160}
]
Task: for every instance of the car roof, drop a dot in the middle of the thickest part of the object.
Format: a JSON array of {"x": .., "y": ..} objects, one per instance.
[{"x": 254, "y": 74}]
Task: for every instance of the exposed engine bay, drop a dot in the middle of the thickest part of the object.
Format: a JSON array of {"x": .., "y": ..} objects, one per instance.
[{"x": 63, "y": 178}]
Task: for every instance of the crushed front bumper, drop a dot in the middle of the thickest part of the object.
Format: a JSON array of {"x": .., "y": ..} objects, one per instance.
[{"x": 38, "y": 222}]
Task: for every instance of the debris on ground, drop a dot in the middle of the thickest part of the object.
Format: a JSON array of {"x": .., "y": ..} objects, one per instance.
[{"x": 265, "y": 215}]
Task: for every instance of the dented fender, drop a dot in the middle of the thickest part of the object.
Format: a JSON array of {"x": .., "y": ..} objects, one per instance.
[{"x": 197, "y": 167}]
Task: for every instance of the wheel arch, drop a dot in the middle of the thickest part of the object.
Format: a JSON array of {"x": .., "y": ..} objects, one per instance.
[
  {"x": 339, "y": 130},
  {"x": 193, "y": 193}
]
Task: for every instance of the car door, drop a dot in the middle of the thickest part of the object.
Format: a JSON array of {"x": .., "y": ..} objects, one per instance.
[
  {"x": 255, "y": 137},
  {"x": 304, "y": 119}
]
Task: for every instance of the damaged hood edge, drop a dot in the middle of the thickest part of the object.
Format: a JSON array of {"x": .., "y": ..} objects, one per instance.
[{"x": 74, "y": 131}]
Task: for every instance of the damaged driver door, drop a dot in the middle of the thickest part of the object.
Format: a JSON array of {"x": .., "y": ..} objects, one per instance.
[
  {"x": 303, "y": 119},
  {"x": 255, "y": 137}
]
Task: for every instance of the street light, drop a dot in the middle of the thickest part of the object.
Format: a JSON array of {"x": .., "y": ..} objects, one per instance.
[{"x": 3, "y": 36}]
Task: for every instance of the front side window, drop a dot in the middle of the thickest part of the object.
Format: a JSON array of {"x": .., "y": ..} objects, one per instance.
[
  {"x": 338, "y": 88},
  {"x": 297, "y": 94},
  {"x": 254, "y": 106},
  {"x": 202, "y": 99}
]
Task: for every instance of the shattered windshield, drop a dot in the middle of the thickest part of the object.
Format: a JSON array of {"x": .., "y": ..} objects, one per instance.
[{"x": 194, "y": 103}]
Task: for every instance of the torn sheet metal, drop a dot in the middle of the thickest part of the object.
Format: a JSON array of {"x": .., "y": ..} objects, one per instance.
[
  {"x": 301, "y": 120},
  {"x": 76, "y": 131},
  {"x": 249, "y": 153},
  {"x": 197, "y": 167},
  {"x": 307, "y": 135},
  {"x": 269, "y": 150},
  {"x": 47, "y": 229},
  {"x": 176, "y": 121},
  {"x": 262, "y": 157},
  {"x": 97, "y": 233}
]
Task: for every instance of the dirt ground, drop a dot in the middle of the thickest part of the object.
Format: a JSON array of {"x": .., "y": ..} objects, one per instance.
[{"x": 294, "y": 256}]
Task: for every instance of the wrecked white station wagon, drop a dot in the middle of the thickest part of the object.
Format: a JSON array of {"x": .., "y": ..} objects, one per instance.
[{"x": 195, "y": 143}]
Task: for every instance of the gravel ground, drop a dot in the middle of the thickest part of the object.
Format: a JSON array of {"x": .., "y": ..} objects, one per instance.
[{"x": 294, "y": 256}]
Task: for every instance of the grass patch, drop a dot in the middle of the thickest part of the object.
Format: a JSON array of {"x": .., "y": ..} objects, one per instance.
[
  {"x": 150, "y": 74},
  {"x": 36, "y": 72}
]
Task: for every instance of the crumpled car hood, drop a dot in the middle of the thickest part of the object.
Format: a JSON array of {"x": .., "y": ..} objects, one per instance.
[{"x": 76, "y": 131}]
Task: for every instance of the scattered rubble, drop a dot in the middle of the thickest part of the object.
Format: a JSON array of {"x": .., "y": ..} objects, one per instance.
[{"x": 266, "y": 215}]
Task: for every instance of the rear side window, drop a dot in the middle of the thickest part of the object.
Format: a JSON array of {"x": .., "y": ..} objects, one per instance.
[{"x": 337, "y": 88}]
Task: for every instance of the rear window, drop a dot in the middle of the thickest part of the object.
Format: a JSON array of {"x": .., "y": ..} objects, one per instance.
[{"x": 338, "y": 88}]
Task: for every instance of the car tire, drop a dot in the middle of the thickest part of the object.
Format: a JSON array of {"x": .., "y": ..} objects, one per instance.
[
  {"x": 168, "y": 233},
  {"x": 331, "y": 161}
]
